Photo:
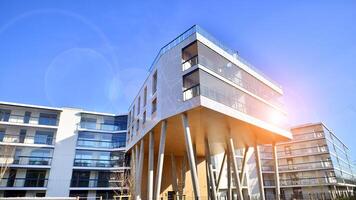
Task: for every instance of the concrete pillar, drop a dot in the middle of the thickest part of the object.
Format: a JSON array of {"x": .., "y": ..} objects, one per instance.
[
  {"x": 259, "y": 172},
  {"x": 174, "y": 174},
  {"x": 150, "y": 166},
  {"x": 160, "y": 161},
  {"x": 191, "y": 157},
  {"x": 220, "y": 172},
  {"x": 235, "y": 168},
  {"x": 229, "y": 179},
  {"x": 276, "y": 171},
  {"x": 210, "y": 171},
  {"x": 244, "y": 163},
  {"x": 140, "y": 169}
]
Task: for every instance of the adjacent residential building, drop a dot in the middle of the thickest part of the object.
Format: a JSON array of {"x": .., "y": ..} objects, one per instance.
[
  {"x": 61, "y": 152},
  {"x": 315, "y": 164},
  {"x": 199, "y": 100}
]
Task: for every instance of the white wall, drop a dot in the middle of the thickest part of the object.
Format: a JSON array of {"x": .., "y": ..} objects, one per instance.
[{"x": 64, "y": 152}]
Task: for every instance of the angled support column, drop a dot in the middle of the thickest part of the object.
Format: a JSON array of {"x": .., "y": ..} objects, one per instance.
[
  {"x": 210, "y": 171},
  {"x": 139, "y": 170},
  {"x": 220, "y": 172},
  {"x": 244, "y": 162},
  {"x": 150, "y": 166},
  {"x": 276, "y": 171},
  {"x": 259, "y": 172},
  {"x": 183, "y": 170},
  {"x": 191, "y": 157},
  {"x": 235, "y": 168},
  {"x": 174, "y": 174},
  {"x": 160, "y": 161},
  {"x": 229, "y": 178}
]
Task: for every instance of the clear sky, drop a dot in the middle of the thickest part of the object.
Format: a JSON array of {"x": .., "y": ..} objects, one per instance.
[{"x": 95, "y": 54}]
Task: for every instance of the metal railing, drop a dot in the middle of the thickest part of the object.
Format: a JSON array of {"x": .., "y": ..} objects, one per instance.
[
  {"x": 32, "y": 160},
  {"x": 96, "y": 183},
  {"x": 303, "y": 151},
  {"x": 307, "y": 181},
  {"x": 98, "y": 163},
  {"x": 24, "y": 182},
  {"x": 22, "y": 119},
  {"x": 37, "y": 139},
  {"x": 190, "y": 62},
  {"x": 101, "y": 126},
  {"x": 305, "y": 166},
  {"x": 191, "y": 92},
  {"x": 100, "y": 143}
]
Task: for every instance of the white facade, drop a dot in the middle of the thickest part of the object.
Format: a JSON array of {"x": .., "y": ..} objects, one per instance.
[{"x": 45, "y": 149}]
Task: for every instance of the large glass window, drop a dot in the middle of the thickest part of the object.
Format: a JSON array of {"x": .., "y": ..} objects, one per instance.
[
  {"x": 190, "y": 56},
  {"x": 48, "y": 119},
  {"x": 2, "y": 134}
]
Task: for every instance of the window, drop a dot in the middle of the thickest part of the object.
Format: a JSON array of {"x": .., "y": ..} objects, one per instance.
[
  {"x": 154, "y": 105},
  {"x": 88, "y": 122},
  {"x": 27, "y": 117},
  {"x": 138, "y": 105},
  {"x": 133, "y": 114},
  {"x": 2, "y": 135},
  {"x": 35, "y": 178},
  {"x": 144, "y": 117},
  {"x": 43, "y": 137},
  {"x": 137, "y": 125},
  {"x": 48, "y": 119},
  {"x": 145, "y": 96},
  {"x": 22, "y": 136},
  {"x": 4, "y": 115},
  {"x": 191, "y": 85},
  {"x": 154, "y": 83}
]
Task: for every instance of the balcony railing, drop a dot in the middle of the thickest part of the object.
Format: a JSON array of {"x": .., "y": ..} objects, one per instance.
[
  {"x": 37, "y": 139},
  {"x": 101, "y": 126},
  {"x": 100, "y": 143},
  {"x": 98, "y": 163},
  {"x": 32, "y": 160},
  {"x": 22, "y": 119},
  {"x": 307, "y": 181},
  {"x": 24, "y": 182},
  {"x": 308, "y": 136},
  {"x": 191, "y": 92},
  {"x": 96, "y": 183},
  {"x": 190, "y": 63}
]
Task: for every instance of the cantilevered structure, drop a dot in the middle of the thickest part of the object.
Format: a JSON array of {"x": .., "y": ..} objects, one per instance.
[{"x": 199, "y": 100}]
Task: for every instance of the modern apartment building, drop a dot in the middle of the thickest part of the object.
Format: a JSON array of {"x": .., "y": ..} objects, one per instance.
[
  {"x": 200, "y": 100},
  {"x": 315, "y": 164},
  {"x": 61, "y": 152}
]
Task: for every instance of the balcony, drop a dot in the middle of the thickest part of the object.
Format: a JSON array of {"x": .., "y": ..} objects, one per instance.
[
  {"x": 101, "y": 126},
  {"x": 37, "y": 139},
  {"x": 303, "y": 151},
  {"x": 100, "y": 143},
  {"x": 95, "y": 183},
  {"x": 98, "y": 163},
  {"x": 23, "y": 182},
  {"x": 22, "y": 119}
]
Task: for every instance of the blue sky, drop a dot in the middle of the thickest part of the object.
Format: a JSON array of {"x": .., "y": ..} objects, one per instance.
[{"x": 95, "y": 54}]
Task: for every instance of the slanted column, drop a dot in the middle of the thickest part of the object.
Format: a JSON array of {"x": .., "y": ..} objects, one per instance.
[
  {"x": 229, "y": 178},
  {"x": 235, "y": 168},
  {"x": 139, "y": 170},
  {"x": 191, "y": 157},
  {"x": 150, "y": 166},
  {"x": 160, "y": 161},
  {"x": 220, "y": 172},
  {"x": 259, "y": 172},
  {"x": 276, "y": 171},
  {"x": 244, "y": 163},
  {"x": 210, "y": 171}
]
